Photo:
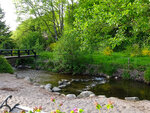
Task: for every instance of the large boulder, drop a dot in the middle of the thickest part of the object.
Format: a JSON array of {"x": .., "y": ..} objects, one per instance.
[
  {"x": 48, "y": 87},
  {"x": 56, "y": 89},
  {"x": 71, "y": 96},
  {"x": 85, "y": 94}
]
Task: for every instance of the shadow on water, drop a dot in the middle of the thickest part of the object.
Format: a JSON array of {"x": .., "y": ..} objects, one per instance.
[{"x": 98, "y": 85}]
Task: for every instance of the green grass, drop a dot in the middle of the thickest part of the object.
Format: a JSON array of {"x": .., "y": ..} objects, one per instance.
[
  {"x": 121, "y": 60},
  {"x": 107, "y": 64}
]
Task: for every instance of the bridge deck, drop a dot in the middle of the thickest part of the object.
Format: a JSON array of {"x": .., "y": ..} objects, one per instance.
[{"x": 23, "y": 56}]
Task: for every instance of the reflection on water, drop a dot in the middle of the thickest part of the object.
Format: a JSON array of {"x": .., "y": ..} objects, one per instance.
[{"x": 98, "y": 85}]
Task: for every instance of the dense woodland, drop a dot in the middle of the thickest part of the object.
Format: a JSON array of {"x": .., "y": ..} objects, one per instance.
[{"x": 72, "y": 34}]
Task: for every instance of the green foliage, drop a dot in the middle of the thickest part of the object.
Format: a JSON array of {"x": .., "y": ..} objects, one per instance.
[
  {"x": 5, "y": 67},
  {"x": 135, "y": 50},
  {"x": 4, "y": 30},
  {"x": 26, "y": 61},
  {"x": 126, "y": 74},
  {"x": 31, "y": 40},
  {"x": 112, "y": 23},
  {"x": 45, "y": 60},
  {"x": 146, "y": 51},
  {"x": 147, "y": 74},
  {"x": 67, "y": 53},
  {"x": 7, "y": 43},
  {"x": 29, "y": 35},
  {"x": 107, "y": 51}
]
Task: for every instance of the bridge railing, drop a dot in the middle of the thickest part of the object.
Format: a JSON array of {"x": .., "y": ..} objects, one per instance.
[{"x": 17, "y": 52}]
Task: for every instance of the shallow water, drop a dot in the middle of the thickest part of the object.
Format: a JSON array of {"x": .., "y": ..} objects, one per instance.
[{"x": 112, "y": 88}]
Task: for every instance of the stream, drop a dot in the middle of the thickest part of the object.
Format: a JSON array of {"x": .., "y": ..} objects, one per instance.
[{"x": 99, "y": 85}]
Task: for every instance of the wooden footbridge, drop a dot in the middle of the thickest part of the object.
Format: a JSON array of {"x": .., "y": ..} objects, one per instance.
[{"x": 17, "y": 53}]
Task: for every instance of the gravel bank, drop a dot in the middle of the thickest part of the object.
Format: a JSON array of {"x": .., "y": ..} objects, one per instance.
[{"x": 28, "y": 95}]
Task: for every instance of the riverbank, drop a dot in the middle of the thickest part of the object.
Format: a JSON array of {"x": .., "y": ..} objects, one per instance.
[{"x": 29, "y": 95}]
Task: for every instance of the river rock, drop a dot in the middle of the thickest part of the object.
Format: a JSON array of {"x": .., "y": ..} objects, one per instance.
[
  {"x": 20, "y": 67},
  {"x": 64, "y": 82},
  {"x": 56, "y": 93},
  {"x": 48, "y": 87},
  {"x": 132, "y": 98},
  {"x": 85, "y": 94},
  {"x": 28, "y": 79},
  {"x": 56, "y": 89},
  {"x": 19, "y": 77},
  {"x": 62, "y": 86},
  {"x": 101, "y": 96},
  {"x": 71, "y": 96},
  {"x": 36, "y": 84},
  {"x": 42, "y": 86},
  {"x": 92, "y": 95},
  {"x": 63, "y": 95}
]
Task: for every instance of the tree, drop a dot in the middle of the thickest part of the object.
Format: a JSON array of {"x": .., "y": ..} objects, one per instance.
[
  {"x": 115, "y": 23},
  {"x": 50, "y": 12},
  {"x": 28, "y": 35},
  {"x": 4, "y": 30},
  {"x": 5, "y": 41}
]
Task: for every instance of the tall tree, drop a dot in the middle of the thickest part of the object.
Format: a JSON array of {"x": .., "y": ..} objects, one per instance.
[
  {"x": 4, "y": 30},
  {"x": 5, "y": 41},
  {"x": 50, "y": 12}
]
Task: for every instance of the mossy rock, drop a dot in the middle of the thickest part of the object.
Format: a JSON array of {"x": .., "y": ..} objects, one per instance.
[{"x": 5, "y": 67}]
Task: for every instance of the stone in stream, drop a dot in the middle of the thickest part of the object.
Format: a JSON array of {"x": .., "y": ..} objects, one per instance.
[
  {"x": 28, "y": 79},
  {"x": 85, "y": 94},
  {"x": 62, "y": 86},
  {"x": 64, "y": 82},
  {"x": 56, "y": 89},
  {"x": 71, "y": 96},
  {"x": 132, "y": 98},
  {"x": 48, "y": 87}
]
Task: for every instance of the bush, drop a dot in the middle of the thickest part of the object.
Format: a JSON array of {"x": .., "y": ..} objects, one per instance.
[
  {"x": 5, "y": 67},
  {"x": 108, "y": 51},
  {"x": 146, "y": 52},
  {"x": 147, "y": 75},
  {"x": 67, "y": 53},
  {"x": 126, "y": 74},
  {"x": 135, "y": 50},
  {"x": 52, "y": 46}
]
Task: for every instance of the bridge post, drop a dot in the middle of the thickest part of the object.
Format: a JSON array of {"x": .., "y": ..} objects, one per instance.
[
  {"x": 19, "y": 53},
  {"x": 11, "y": 52}
]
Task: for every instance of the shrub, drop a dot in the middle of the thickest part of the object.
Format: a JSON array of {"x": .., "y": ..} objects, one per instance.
[
  {"x": 67, "y": 54},
  {"x": 52, "y": 46},
  {"x": 146, "y": 52},
  {"x": 135, "y": 50},
  {"x": 126, "y": 74},
  {"x": 147, "y": 75},
  {"x": 107, "y": 51},
  {"x": 5, "y": 67}
]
